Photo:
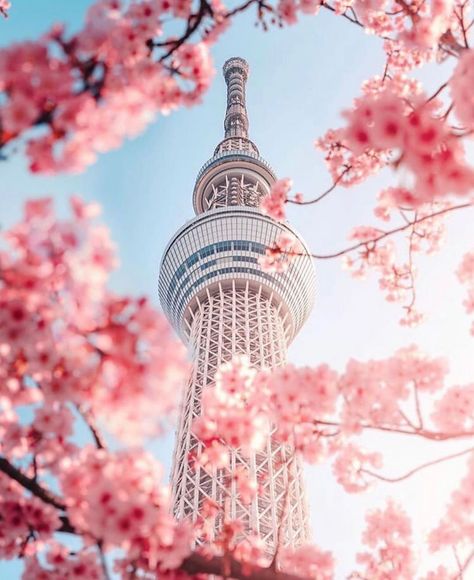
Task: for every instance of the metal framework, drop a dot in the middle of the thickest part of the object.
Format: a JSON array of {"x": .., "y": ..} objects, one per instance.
[{"x": 222, "y": 304}]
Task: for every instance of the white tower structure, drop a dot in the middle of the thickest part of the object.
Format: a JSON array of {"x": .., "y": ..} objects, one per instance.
[{"x": 221, "y": 303}]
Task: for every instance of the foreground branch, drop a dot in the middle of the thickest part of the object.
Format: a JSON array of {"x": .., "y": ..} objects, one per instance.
[
  {"x": 423, "y": 433},
  {"x": 30, "y": 484},
  {"x": 195, "y": 564},
  {"x": 230, "y": 568}
]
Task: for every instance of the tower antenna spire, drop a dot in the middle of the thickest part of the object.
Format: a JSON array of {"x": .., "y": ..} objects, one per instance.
[{"x": 236, "y": 122}]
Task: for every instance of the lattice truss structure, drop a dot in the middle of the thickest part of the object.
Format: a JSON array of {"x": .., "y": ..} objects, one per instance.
[
  {"x": 227, "y": 322},
  {"x": 235, "y": 189}
]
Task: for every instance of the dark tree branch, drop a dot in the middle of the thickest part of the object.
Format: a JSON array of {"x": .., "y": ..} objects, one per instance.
[
  {"x": 199, "y": 564},
  {"x": 30, "y": 484}
]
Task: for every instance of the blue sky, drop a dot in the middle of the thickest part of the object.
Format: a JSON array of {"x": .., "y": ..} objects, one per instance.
[{"x": 301, "y": 78}]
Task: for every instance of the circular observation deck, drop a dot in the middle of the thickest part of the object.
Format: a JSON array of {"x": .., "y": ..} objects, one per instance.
[
  {"x": 220, "y": 249},
  {"x": 226, "y": 163}
]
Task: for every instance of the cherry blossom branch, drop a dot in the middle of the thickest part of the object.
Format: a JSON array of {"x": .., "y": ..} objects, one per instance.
[
  {"x": 424, "y": 433},
  {"x": 193, "y": 23},
  {"x": 464, "y": 567},
  {"x": 418, "y": 468},
  {"x": 325, "y": 193},
  {"x": 260, "y": 3},
  {"x": 418, "y": 406},
  {"x": 103, "y": 561},
  {"x": 30, "y": 484},
  {"x": 353, "y": 20},
  {"x": 199, "y": 564},
  {"x": 86, "y": 416},
  {"x": 194, "y": 564},
  {"x": 386, "y": 234}
]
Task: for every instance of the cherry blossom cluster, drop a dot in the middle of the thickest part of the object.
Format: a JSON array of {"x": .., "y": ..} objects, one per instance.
[
  {"x": 273, "y": 204},
  {"x": 418, "y": 27},
  {"x": 419, "y": 140},
  {"x": 279, "y": 256},
  {"x": 376, "y": 252},
  {"x": 231, "y": 413},
  {"x": 59, "y": 563},
  {"x": 317, "y": 411},
  {"x": 23, "y": 519},
  {"x": 350, "y": 467},
  {"x": 64, "y": 339},
  {"x": 455, "y": 409},
  {"x": 465, "y": 275},
  {"x": 307, "y": 561},
  {"x": 374, "y": 390},
  {"x": 460, "y": 85},
  {"x": 117, "y": 499},
  {"x": 456, "y": 527},
  {"x": 5, "y": 6},
  {"x": 90, "y": 91},
  {"x": 389, "y": 536}
]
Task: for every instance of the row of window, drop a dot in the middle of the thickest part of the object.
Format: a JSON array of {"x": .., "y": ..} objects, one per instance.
[
  {"x": 228, "y": 246},
  {"x": 175, "y": 291}
]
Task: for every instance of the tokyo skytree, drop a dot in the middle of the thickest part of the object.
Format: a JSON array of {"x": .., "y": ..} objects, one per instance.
[{"x": 222, "y": 304}]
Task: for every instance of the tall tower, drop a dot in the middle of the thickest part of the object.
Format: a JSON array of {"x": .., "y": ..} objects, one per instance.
[{"x": 222, "y": 304}]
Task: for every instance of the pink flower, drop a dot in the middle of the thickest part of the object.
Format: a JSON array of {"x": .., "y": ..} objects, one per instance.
[
  {"x": 5, "y": 5},
  {"x": 465, "y": 274},
  {"x": 461, "y": 84},
  {"x": 19, "y": 113},
  {"x": 388, "y": 534},
  {"x": 273, "y": 204},
  {"x": 307, "y": 561},
  {"x": 350, "y": 466}
]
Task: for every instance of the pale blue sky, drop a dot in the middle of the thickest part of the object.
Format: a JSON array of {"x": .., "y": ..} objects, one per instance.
[{"x": 301, "y": 78}]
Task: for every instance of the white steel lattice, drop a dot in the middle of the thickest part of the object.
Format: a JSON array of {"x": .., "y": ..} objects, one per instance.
[{"x": 231, "y": 321}]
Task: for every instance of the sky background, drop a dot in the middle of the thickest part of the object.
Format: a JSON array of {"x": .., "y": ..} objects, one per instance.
[{"x": 301, "y": 78}]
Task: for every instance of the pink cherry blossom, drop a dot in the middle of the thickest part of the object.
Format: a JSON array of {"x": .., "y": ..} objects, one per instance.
[
  {"x": 308, "y": 561},
  {"x": 349, "y": 467},
  {"x": 465, "y": 274},
  {"x": 92, "y": 90},
  {"x": 5, "y": 5},
  {"x": 102, "y": 352},
  {"x": 117, "y": 498},
  {"x": 457, "y": 525},
  {"x": 61, "y": 563},
  {"x": 273, "y": 204},
  {"x": 279, "y": 256},
  {"x": 455, "y": 410},
  {"x": 388, "y": 534},
  {"x": 21, "y": 515},
  {"x": 460, "y": 85}
]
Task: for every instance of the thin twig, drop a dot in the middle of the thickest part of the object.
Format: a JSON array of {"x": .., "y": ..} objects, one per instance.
[
  {"x": 325, "y": 193},
  {"x": 416, "y": 469},
  {"x": 385, "y": 234},
  {"x": 423, "y": 433},
  {"x": 103, "y": 561},
  {"x": 86, "y": 416}
]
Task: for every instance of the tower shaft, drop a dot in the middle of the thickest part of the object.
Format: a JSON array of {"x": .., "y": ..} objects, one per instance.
[{"x": 238, "y": 321}]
